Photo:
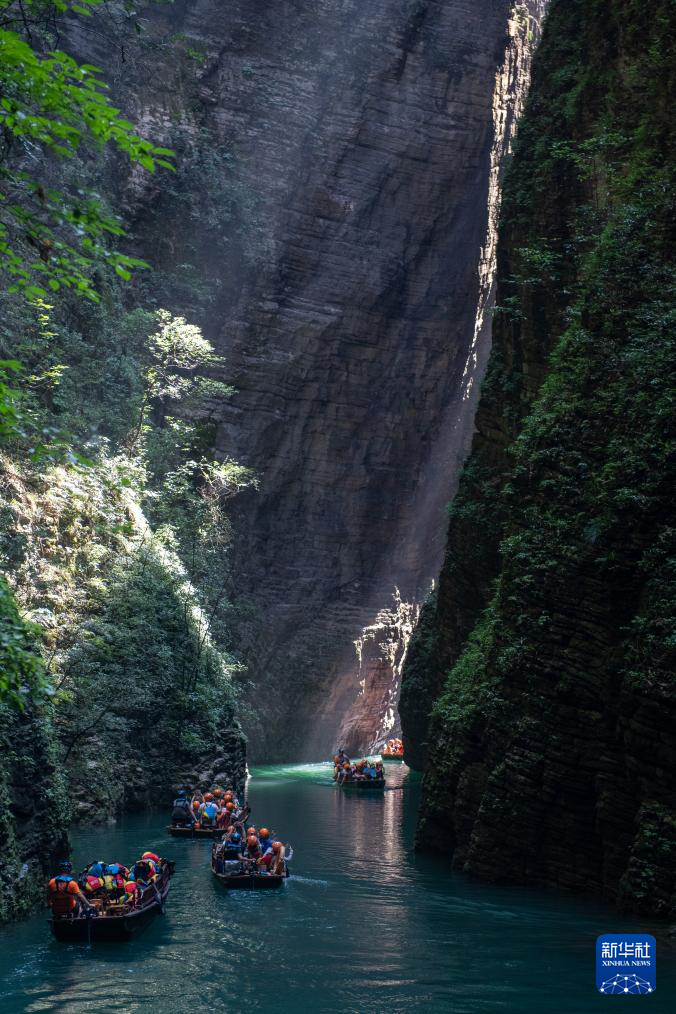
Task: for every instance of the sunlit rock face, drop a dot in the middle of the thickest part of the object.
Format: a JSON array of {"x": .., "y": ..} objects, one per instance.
[
  {"x": 363, "y": 153},
  {"x": 350, "y": 352}
]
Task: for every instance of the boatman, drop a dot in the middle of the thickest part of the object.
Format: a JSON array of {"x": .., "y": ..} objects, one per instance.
[
  {"x": 65, "y": 896},
  {"x": 182, "y": 812}
]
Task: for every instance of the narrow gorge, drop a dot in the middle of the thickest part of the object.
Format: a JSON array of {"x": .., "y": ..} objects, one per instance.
[
  {"x": 337, "y": 404},
  {"x": 266, "y": 533},
  {"x": 351, "y": 316}
]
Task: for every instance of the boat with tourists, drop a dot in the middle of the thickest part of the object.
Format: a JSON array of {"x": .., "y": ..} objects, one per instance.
[
  {"x": 259, "y": 864},
  {"x": 109, "y": 915},
  {"x": 363, "y": 776},
  {"x": 206, "y": 814},
  {"x": 394, "y": 751}
]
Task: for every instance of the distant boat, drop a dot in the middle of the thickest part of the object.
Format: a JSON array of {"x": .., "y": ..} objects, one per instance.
[
  {"x": 393, "y": 750},
  {"x": 116, "y": 921},
  {"x": 185, "y": 831}
]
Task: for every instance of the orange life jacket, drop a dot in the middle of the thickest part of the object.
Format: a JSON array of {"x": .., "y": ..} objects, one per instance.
[{"x": 63, "y": 893}]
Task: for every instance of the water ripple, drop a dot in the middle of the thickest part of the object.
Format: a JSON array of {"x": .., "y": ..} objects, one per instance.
[{"x": 364, "y": 925}]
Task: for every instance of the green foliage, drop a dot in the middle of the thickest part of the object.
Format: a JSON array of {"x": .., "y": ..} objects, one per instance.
[
  {"x": 178, "y": 354},
  {"x": 131, "y": 615},
  {"x": 9, "y": 398},
  {"x": 469, "y": 690},
  {"x": 590, "y": 466},
  {"x": 648, "y": 882},
  {"x": 21, "y": 670},
  {"x": 51, "y": 109},
  {"x": 129, "y": 638},
  {"x": 32, "y": 789},
  {"x": 113, "y": 532},
  {"x": 51, "y": 106},
  {"x": 143, "y": 670}
]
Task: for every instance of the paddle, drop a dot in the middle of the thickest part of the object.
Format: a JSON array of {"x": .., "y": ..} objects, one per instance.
[
  {"x": 89, "y": 915},
  {"x": 160, "y": 900},
  {"x": 158, "y": 897}
]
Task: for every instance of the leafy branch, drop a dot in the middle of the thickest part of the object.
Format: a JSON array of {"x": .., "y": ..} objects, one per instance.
[{"x": 53, "y": 107}]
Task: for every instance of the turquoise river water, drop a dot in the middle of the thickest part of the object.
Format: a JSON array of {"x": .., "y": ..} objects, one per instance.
[{"x": 364, "y": 926}]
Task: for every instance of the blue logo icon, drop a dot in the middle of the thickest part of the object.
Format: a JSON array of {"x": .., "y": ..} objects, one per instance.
[{"x": 625, "y": 963}]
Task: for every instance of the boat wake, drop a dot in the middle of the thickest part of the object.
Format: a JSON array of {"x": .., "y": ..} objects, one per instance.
[{"x": 310, "y": 880}]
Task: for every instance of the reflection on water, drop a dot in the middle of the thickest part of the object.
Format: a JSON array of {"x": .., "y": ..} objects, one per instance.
[{"x": 363, "y": 927}]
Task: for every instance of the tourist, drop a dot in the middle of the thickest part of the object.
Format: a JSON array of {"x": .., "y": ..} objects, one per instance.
[
  {"x": 278, "y": 865},
  {"x": 251, "y": 852},
  {"x": 154, "y": 860},
  {"x": 142, "y": 872},
  {"x": 130, "y": 895},
  {"x": 232, "y": 837},
  {"x": 264, "y": 840},
  {"x": 208, "y": 811},
  {"x": 265, "y": 862},
  {"x": 95, "y": 869}
]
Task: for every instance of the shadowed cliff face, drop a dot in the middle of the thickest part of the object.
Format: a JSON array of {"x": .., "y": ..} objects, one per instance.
[
  {"x": 361, "y": 141},
  {"x": 547, "y": 655}
]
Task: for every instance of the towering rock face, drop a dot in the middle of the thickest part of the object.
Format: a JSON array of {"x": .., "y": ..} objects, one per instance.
[
  {"x": 332, "y": 229},
  {"x": 353, "y": 351},
  {"x": 362, "y": 140},
  {"x": 547, "y": 654}
]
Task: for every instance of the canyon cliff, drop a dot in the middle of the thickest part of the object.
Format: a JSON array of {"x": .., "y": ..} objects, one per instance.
[
  {"x": 546, "y": 657},
  {"x": 351, "y": 152},
  {"x": 331, "y": 227}
]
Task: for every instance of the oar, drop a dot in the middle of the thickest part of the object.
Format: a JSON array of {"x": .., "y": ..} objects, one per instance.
[
  {"x": 89, "y": 916},
  {"x": 158, "y": 897}
]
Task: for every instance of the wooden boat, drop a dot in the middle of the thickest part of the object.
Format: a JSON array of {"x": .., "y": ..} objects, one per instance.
[
  {"x": 364, "y": 785},
  {"x": 115, "y": 922},
  {"x": 390, "y": 755},
  {"x": 235, "y": 879},
  {"x": 183, "y": 831},
  {"x": 250, "y": 881}
]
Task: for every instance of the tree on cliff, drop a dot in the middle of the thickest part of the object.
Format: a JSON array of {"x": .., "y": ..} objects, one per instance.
[{"x": 51, "y": 109}]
